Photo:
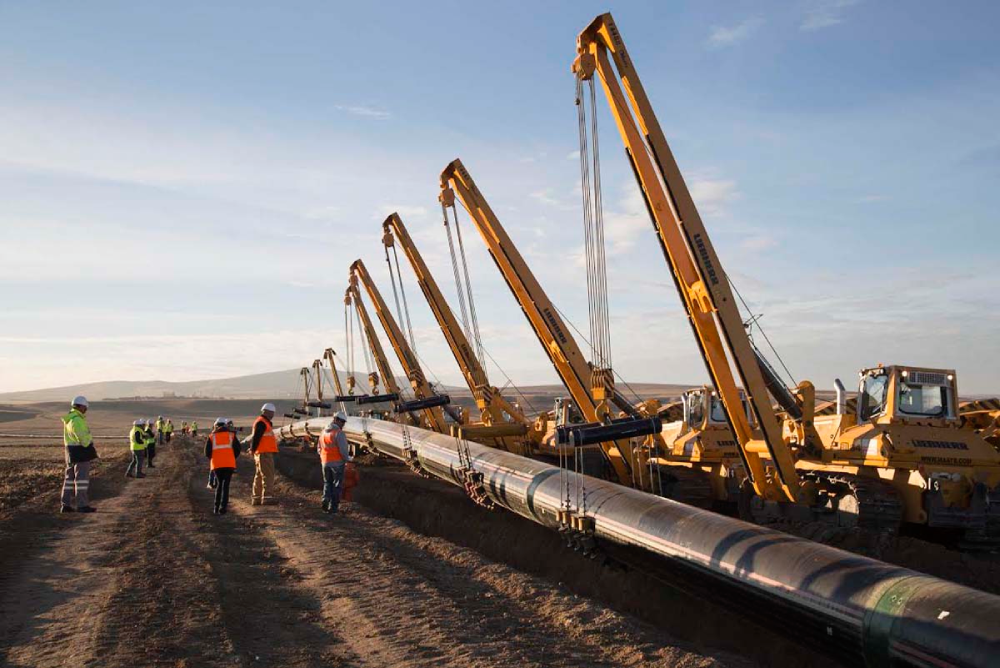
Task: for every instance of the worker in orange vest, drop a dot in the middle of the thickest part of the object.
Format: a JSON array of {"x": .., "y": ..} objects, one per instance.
[
  {"x": 222, "y": 448},
  {"x": 334, "y": 453},
  {"x": 264, "y": 446}
]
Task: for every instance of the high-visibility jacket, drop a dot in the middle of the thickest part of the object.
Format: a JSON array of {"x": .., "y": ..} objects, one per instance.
[
  {"x": 149, "y": 436},
  {"x": 268, "y": 443},
  {"x": 329, "y": 449},
  {"x": 137, "y": 439},
  {"x": 194, "y": 426},
  {"x": 159, "y": 425},
  {"x": 169, "y": 427},
  {"x": 76, "y": 432},
  {"x": 223, "y": 456}
]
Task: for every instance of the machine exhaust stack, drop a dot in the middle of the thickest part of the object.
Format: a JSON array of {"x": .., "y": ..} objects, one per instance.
[{"x": 841, "y": 396}]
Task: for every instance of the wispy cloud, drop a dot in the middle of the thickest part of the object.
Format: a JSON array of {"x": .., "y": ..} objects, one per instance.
[
  {"x": 405, "y": 211},
  {"x": 364, "y": 111},
  {"x": 712, "y": 195},
  {"x": 723, "y": 36},
  {"x": 825, "y": 13},
  {"x": 547, "y": 197},
  {"x": 758, "y": 242}
]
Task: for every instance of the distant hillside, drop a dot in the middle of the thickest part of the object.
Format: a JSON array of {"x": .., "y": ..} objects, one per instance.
[{"x": 275, "y": 384}]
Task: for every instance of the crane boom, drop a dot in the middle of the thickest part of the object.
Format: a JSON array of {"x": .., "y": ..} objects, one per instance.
[
  {"x": 329, "y": 355},
  {"x": 411, "y": 367},
  {"x": 541, "y": 313},
  {"x": 353, "y": 296},
  {"x": 698, "y": 274},
  {"x": 493, "y": 407}
]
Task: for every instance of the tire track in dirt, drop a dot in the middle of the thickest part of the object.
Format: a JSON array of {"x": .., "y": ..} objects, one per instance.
[
  {"x": 399, "y": 598},
  {"x": 154, "y": 580}
]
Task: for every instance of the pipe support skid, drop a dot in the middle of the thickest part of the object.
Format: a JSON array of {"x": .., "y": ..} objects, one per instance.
[{"x": 859, "y": 608}]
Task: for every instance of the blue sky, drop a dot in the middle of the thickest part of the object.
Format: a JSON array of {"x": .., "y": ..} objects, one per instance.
[{"x": 185, "y": 184}]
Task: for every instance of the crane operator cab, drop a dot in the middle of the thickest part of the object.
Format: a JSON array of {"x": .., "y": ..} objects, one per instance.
[
  {"x": 703, "y": 432},
  {"x": 906, "y": 431}
]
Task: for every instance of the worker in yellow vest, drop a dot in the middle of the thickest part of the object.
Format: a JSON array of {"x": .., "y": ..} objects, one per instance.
[
  {"x": 80, "y": 451},
  {"x": 160, "y": 431},
  {"x": 194, "y": 429},
  {"x": 168, "y": 428},
  {"x": 222, "y": 448},
  {"x": 334, "y": 453},
  {"x": 137, "y": 444},
  {"x": 264, "y": 446}
]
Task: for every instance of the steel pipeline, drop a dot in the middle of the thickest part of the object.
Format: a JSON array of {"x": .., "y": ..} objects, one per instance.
[{"x": 859, "y": 608}]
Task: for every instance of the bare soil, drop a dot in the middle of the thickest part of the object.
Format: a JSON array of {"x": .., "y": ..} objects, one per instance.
[{"x": 155, "y": 579}]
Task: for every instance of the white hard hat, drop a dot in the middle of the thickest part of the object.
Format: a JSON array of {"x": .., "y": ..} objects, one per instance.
[
  {"x": 159, "y": 417},
  {"x": 340, "y": 415},
  {"x": 140, "y": 422},
  {"x": 268, "y": 407},
  {"x": 220, "y": 422},
  {"x": 136, "y": 423},
  {"x": 80, "y": 401}
]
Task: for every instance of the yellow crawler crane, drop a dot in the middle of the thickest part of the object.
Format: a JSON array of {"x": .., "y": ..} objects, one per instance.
[
  {"x": 383, "y": 372},
  {"x": 427, "y": 401},
  {"x": 909, "y": 460},
  {"x": 502, "y": 424},
  {"x": 620, "y": 440},
  {"x": 330, "y": 356}
]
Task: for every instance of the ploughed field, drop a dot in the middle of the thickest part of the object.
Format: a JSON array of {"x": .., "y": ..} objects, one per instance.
[{"x": 413, "y": 573}]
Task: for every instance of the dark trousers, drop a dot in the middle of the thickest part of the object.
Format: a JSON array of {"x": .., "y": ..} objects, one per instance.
[
  {"x": 135, "y": 466},
  {"x": 333, "y": 484},
  {"x": 222, "y": 487},
  {"x": 150, "y": 453}
]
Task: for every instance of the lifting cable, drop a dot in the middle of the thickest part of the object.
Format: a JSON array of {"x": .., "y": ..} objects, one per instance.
[
  {"x": 470, "y": 320},
  {"x": 348, "y": 336},
  {"x": 362, "y": 342},
  {"x": 755, "y": 320},
  {"x": 569, "y": 322},
  {"x": 593, "y": 226},
  {"x": 402, "y": 291}
]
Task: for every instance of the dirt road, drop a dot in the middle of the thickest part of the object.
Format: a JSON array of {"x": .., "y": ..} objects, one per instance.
[{"x": 155, "y": 579}]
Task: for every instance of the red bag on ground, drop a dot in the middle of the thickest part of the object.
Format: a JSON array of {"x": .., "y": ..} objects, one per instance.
[{"x": 351, "y": 478}]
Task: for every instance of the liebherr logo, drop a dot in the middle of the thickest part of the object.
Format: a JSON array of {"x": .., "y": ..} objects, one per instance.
[
  {"x": 706, "y": 260},
  {"x": 949, "y": 445},
  {"x": 554, "y": 325}
]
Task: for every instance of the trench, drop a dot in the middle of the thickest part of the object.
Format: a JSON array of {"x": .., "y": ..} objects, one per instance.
[{"x": 622, "y": 579}]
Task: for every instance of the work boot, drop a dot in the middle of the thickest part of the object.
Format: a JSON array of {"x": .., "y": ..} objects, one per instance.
[
  {"x": 140, "y": 475},
  {"x": 86, "y": 509},
  {"x": 67, "y": 509},
  {"x": 254, "y": 502},
  {"x": 222, "y": 510},
  {"x": 326, "y": 506},
  {"x": 215, "y": 511}
]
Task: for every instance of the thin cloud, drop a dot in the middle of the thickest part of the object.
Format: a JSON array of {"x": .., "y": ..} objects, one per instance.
[
  {"x": 712, "y": 195},
  {"x": 758, "y": 242},
  {"x": 405, "y": 211},
  {"x": 364, "y": 111},
  {"x": 723, "y": 36},
  {"x": 825, "y": 13}
]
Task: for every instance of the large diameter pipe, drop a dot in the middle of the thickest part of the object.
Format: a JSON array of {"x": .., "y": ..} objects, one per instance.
[{"x": 860, "y": 608}]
